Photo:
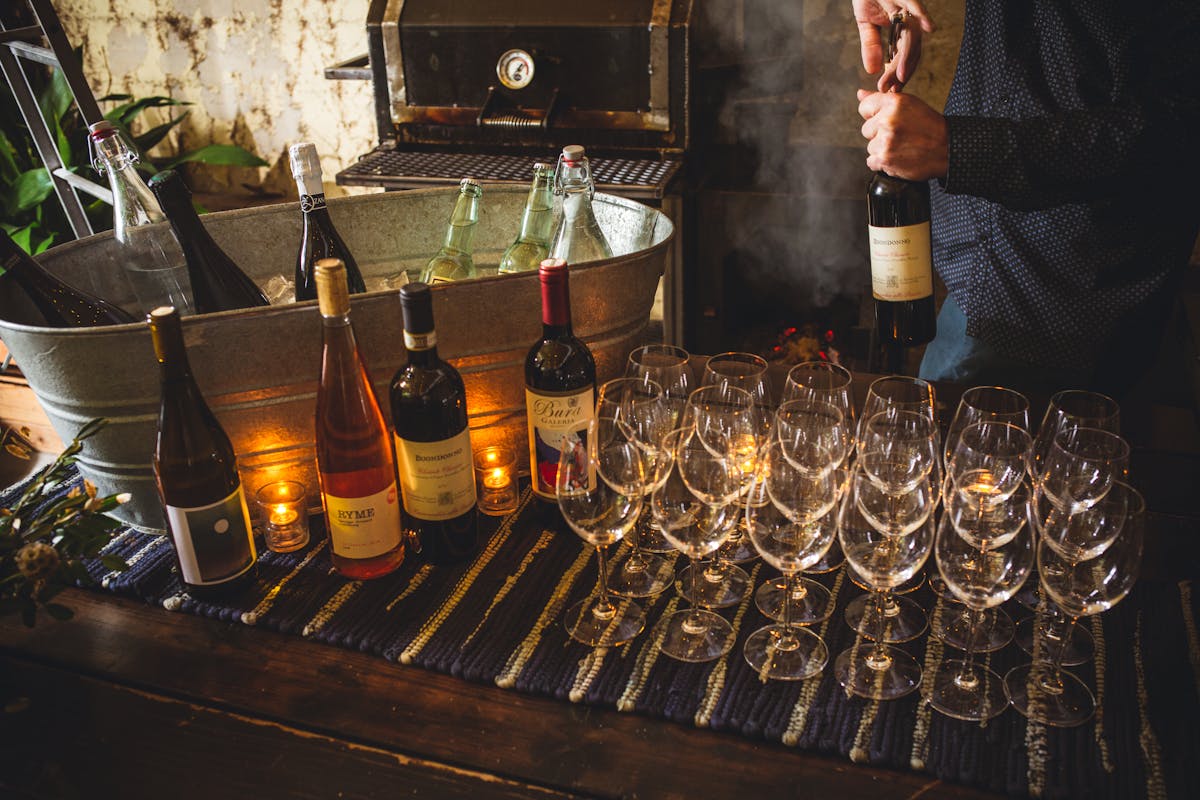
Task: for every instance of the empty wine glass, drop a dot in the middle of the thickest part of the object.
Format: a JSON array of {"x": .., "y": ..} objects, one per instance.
[
  {"x": 806, "y": 428},
  {"x": 637, "y": 405},
  {"x": 693, "y": 502},
  {"x": 898, "y": 449},
  {"x": 989, "y": 463},
  {"x": 986, "y": 404},
  {"x": 1070, "y": 409},
  {"x": 825, "y": 381},
  {"x": 1080, "y": 467},
  {"x": 899, "y": 393},
  {"x": 878, "y": 671},
  {"x": 599, "y": 489},
  {"x": 1043, "y": 691}
]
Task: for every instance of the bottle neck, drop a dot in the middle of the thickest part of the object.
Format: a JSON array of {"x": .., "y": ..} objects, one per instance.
[
  {"x": 538, "y": 219},
  {"x": 133, "y": 202},
  {"x": 461, "y": 230},
  {"x": 422, "y": 348},
  {"x": 556, "y": 308},
  {"x": 167, "y": 337}
]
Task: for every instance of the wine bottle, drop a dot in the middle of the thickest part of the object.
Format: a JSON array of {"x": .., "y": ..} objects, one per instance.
[
  {"x": 532, "y": 244},
  {"x": 32, "y": 296},
  {"x": 901, "y": 260},
  {"x": 354, "y": 455},
  {"x": 453, "y": 262},
  {"x": 218, "y": 284},
  {"x": 197, "y": 476},
  {"x": 433, "y": 443},
  {"x": 149, "y": 253},
  {"x": 560, "y": 382},
  {"x": 319, "y": 238},
  {"x": 579, "y": 236}
]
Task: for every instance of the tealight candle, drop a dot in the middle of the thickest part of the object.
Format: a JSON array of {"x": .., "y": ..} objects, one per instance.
[
  {"x": 496, "y": 480},
  {"x": 282, "y": 502}
]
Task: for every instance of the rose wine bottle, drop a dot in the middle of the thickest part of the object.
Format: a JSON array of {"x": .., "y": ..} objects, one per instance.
[
  {"x": 560, "y": 382},
  {"x": 433, "y": 444},
  {"x": 218, "y": 284},
  {"x": 319, "y": 238},
  {"x": 354, "y": 454},
  {"x": 197, "y": 476},
  {"x": 55, "y": 303},
  {"x": 901, "y": 260}
]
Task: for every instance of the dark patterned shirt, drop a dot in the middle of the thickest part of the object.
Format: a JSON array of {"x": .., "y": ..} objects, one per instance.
[{"x": 1070, "y": 205}]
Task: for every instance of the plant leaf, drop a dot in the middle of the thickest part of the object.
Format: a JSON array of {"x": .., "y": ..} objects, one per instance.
[
  {"x": 55, "y": 99},
  {"x": 111, "y": 97},
  {"x": 22, "y": 237},
  {"x": 226, "y": 155},
  {"x": 156, "y": 134},
  {"x": 29, "y": 189},
  {"x": 8, "y": 159},
  {"x": 45, "y": 244},
  {"x": 124, "y": 113}
]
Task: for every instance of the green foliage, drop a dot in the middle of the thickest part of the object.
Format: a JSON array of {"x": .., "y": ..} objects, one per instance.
[
  {"x": 43, "y": 544},
  {"x": 29, "y": 208}
]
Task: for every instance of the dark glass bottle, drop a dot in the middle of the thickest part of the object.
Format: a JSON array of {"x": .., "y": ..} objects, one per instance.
[
  {"x": 433, "y": 443},
  {"x": 901, "y": 261},
  {"x": 560, "y": 382},
  {"x": 354, "y": 454},
  {"x": 197, "y": 476},
  {"x": 320, "y": 238},
  {"x": 218, "y": 284},
  {"x": 57, "y": 304}
]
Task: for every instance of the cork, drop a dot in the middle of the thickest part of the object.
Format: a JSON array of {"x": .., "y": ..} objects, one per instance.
[{"x": 333, "y": 293}]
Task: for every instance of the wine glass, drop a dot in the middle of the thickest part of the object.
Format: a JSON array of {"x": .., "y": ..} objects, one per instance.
[
  {"x": 599, "y": 489},
  {"x": 1080, "y": 467},
  {"x": 637, "y": 405},
  {"x": 806, "y": 427},
  {"x": 694, "y": 504},
  {"x": 982, "y": 574},
  {"x": 879, "y": 671},
  {"x": 790, "y": 532},
  {"x": 825, "y": 381},
  {"x": 1074, "y": 408},
  {"x": 899, "y": 393},
  {"x": 1042, "y": 690},
  {"x": 898, "y": 449},
  {"x": 986, "y": 404}
]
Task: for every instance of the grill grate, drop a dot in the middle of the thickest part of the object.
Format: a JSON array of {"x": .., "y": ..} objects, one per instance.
[{"x": 628, "y": 177}]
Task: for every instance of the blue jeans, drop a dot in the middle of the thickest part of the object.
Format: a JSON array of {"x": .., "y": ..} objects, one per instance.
[{"x": 954, "y": 356}]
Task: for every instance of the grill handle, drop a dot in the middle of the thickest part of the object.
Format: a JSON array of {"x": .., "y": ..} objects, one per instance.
[
  {"x": 353, "y": 69},
  {"x": 497, "y": 113}
]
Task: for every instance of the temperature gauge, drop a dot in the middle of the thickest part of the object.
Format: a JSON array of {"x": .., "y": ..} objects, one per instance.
[{"x": 515, "y": 69}]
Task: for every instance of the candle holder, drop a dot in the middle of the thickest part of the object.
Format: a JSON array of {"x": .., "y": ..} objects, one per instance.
[
  {"x": 285, "y": 516},
  {"x": 496, "y": 480}
]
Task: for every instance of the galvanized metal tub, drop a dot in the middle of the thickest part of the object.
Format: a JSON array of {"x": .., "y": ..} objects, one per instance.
[{"x": 258, "y": 368}]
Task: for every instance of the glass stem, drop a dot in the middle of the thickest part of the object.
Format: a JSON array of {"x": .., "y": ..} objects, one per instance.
[
  {"x": 881, "y": 598},
  {"x": 789, "y": 582},
  {"x": 604, "y": 605},
  {"x": 974, "y": 623},
  {"x": 695, "y": 587}
]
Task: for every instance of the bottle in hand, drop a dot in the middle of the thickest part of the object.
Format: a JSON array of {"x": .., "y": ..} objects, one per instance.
[
  {"x": 560, "y": 382},
  {"x": 532, "y": 245},
  {"x": 319, "y": 238},
  {"x": 354, "y": 454},
  {"x": 32, "y": 296},
  {"x": 901, "y": 260},
  {"x": 218, "y": 284},
  {"x": 433, "y": 443},
  {"x": 454, "y": 262},
  {"x": 197, "y": 476},
  {"x": 579, "y": 236}
]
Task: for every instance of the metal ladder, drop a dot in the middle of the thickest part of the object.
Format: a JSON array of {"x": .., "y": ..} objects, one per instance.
[{"x": 47, "y": 43}]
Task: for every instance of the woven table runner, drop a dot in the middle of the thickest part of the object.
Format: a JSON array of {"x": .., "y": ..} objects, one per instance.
[{"x": 498, "y": 620}]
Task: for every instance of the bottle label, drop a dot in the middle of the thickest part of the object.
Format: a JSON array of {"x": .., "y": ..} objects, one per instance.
[
  {"x": 364, "y": 527},
  {"x": 420, "y": 341},
  {"x": 553, "y": 417},
  {"x": 309, "y": 202},
  {"x": 437, "y": 479},
  {"x": 901, "y": 264},
  {"x": 214, "y": 542}
]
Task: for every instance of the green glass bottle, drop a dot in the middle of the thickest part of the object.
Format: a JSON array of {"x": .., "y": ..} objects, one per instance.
[
  {"x": 453, "y": 262},
  {"x": 532, "y": 244}
]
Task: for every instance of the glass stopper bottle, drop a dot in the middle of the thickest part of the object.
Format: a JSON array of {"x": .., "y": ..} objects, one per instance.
[
  {"x": 354, "y": 452},
  {"x": 579, "y": 237},
  {"x": 532, "y": 244},
  {"x": 218, "y": 284},
  {"x": 453, "y": 261},
  {"x": 150, "y": 255},
  {"x": 320, "y": 238}
]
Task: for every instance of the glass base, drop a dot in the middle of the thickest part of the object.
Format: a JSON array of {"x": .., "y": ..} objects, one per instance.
[
  {"x": 641, "y": 575},
  {"x": 696, "y": 635},
  {"x": 599, "y": 622},
  {"x": 785, "y": 654},
  {"x": 1035, "y": 693},
  {"x": 810, "y": 601},
  {"x": 954, "y": 628},
  {"x": 1080, "y": 649},
  {"x": 738, "y": 549},
  {"x": 967, "y": 691},
  {"x": 906, "y": 621},
  {"x": 832, "y": 559},
  {"x": 721, "y": 588},
  {"x": 877, "y": 673}
]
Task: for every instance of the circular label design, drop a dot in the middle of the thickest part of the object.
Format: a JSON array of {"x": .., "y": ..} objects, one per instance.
[
  {"x": 308, "y": 202},
  {"x": 515, "y": 69}
]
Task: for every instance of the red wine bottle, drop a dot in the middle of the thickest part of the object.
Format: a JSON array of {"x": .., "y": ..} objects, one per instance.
[
  {"x": 197, "y": 476},
  {"x": 56, "y": 304},
  {"x": 354, "y": 453},
  {"x": 433, "y": 443},
  {"x": 560, "y": 382},
  {"x": 218, "y": 284},
  {"x": 319, "y": 238},
  {"x": 901, "y": 261}
]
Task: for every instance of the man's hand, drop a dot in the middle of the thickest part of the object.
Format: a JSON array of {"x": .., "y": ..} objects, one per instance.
[
  {"x": 870, "y": 15},
  {"x": 906, "y": 137}
]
